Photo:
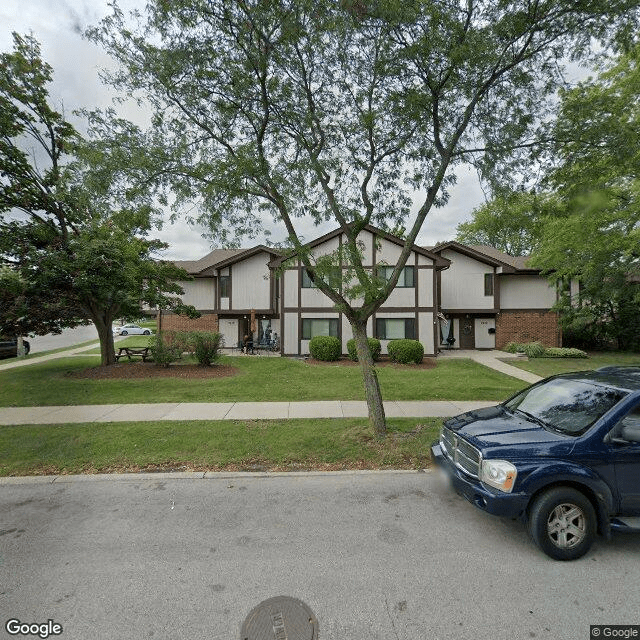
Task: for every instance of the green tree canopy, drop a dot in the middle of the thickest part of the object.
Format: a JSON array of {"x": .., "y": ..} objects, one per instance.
[
  {"x": 511, "y": 222},
  {"x": 585, "y": 226},
  {"x": 595, "y": 234},
  {"x": 339, "y": 111},
  {"x": 68, "y": 256}
]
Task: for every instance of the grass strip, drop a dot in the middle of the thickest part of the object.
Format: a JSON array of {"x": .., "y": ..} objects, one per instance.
[{"x": 254, "y": 445}]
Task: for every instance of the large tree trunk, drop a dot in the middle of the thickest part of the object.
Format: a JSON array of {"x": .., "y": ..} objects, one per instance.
[
  {"x": 104, "y": 322},
  {"x": 370, "y": 379}
]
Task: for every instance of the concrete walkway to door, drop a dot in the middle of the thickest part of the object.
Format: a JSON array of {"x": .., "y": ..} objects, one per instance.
[{"x": 493, "y": 360}]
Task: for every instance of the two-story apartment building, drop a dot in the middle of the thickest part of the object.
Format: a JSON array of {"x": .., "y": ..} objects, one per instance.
[
  {"x": 490, "y": 299},
  {"x": 235, "y": 291},
  {"x": 409, "y": 312},
  {"x": 450, "y": 296}
]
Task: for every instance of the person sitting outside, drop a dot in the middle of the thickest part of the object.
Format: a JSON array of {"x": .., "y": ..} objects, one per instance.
[{"x": 248, "y": 344}]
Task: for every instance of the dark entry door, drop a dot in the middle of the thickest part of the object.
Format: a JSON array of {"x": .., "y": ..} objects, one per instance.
[{"x": 467, "y": 334}]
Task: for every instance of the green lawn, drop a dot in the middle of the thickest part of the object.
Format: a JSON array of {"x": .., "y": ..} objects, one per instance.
[
  {"x": 290, "y": 445},
  {"x": 258, "y": 380},
  {"x": 550, "y": 366}
]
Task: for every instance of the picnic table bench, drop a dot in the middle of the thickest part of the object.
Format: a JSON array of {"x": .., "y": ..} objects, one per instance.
[{"x": 133, "y": 352}]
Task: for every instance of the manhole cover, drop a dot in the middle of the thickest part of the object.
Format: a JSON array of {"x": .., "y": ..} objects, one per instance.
[{"x": 280, "y": 618}]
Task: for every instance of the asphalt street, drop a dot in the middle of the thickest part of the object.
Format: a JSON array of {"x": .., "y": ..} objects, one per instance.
[
  {"x": 376, "y": 556},
  {"x": 68, "y": 338}
]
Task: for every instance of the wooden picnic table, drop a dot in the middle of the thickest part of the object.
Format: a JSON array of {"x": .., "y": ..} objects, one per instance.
[{"x": 133, "y": 352}]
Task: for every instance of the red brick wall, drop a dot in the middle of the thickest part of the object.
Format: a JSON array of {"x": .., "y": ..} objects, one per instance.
[
  {"x": 528, "y": 326},
  {"x": 173, "y": 322}
]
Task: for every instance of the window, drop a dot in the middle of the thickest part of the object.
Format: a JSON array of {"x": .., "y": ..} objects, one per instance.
[
  {"x": 406, "y": 278},
  {"x": 488, "y": 284},
  {"x": 568, "y": 406},
  {"x": 225, "y": 285},
  {"x": 307, "y": 282},
  {"x": 629, "y": 427},
  {"x": 312, "y": 327},
  {"x": 333, "y": 279},
  {"x": 395, "y": 328}
]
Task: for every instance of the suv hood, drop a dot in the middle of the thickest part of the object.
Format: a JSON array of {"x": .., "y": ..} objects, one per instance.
[{"x": 499, "y": 430}]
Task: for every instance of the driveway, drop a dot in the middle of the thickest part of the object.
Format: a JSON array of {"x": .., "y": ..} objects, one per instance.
[{"x": 377, "y": 556}]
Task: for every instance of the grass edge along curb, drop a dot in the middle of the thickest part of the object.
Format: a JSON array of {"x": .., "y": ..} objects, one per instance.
[{"x": 231, "y": 445}]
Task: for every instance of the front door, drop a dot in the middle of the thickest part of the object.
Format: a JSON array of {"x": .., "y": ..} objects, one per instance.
[
  {"x": 229, "y": 331},
  {"x": 485, "y": 333},
  {"x": 467, "y": 334},
  {"x": 627, "y": 464}
]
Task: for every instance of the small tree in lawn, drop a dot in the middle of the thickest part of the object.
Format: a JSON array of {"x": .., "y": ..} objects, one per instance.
[
  {"x": 73, "y": 253},
  {"x": 338, "y": 111}
]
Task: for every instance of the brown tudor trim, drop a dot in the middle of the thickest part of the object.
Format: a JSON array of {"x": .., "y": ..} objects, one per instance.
[
  {"x": 438, "y": 260},
  {"x": 380, "y": 310},
  {"x": 230, "y": 312},
  {"x": 435, "y": 296},
  {"x": 282, "y": 315},
  {"x": 476, "y": 312},
  {"x": 539, "y": 310},
  {"x": 299, "y": 276}
]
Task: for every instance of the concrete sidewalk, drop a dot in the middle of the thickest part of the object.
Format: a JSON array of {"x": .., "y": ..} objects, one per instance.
[
  {"x": 229, "y": 411},
  {"x": 493, "y": 360}
]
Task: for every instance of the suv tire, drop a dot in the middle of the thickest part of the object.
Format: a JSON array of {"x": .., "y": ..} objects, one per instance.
[{"x": 562, "y": 522}]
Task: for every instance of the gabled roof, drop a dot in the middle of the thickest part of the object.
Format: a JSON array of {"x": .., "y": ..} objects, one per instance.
[
  {"x": 488, "y": 255},
  {"x": 520, "y": 263},
  {"x": 439, "y": 261},
  {"x": 242, "y": 254},
  {"x": 194, "y": 267},
  {"x": 219, "y": 258}
]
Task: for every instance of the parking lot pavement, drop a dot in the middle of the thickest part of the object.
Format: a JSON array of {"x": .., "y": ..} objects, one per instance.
[{"x": 375, "y": 555}]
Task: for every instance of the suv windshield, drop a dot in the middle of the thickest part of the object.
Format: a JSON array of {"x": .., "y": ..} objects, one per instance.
[{"x": 569, "y": 406}]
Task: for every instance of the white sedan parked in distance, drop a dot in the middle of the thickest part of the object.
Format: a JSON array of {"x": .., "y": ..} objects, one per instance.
[{"x": 131, "y": 330}]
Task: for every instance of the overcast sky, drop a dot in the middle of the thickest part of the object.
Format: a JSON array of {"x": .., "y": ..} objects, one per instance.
[{"x": 58, "y": 26}]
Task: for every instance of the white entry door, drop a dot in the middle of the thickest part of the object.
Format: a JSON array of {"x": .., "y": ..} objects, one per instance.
[
  {"x": 229, "y": 331},
  {"x": 485, "y": 333}
]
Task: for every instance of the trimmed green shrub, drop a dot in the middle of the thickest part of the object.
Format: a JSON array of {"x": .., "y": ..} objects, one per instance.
[
  {"x": 514, "y": 347},
  {"x": 405, "y": 351},
  {"x": 327, "y": 348},
  {"x": 564, "y": 352},
  {"x": 374, "y": 349},
  {"x": 165, "y": 348},
  {"x": 533, "y": 349},
  {"x": 206, "y": 346}
]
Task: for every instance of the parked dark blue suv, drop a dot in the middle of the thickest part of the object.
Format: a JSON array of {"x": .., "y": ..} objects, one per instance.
[{"x": 563, "y": 455}]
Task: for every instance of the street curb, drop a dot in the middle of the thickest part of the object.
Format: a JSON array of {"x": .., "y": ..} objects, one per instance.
[{"x": 196, "y": 475}]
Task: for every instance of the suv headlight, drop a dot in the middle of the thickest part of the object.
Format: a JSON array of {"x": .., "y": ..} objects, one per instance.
[{"x": 499, "y": 474}]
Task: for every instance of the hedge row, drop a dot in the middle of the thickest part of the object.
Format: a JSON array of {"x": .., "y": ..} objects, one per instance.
[
  {"x": 168, "y": 346},
  {"x": 329, "y": 349},
  {"x": 537, "y": 350}
]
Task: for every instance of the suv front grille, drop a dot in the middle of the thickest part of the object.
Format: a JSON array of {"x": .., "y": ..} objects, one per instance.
[{"x": 465, "y": 456}]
